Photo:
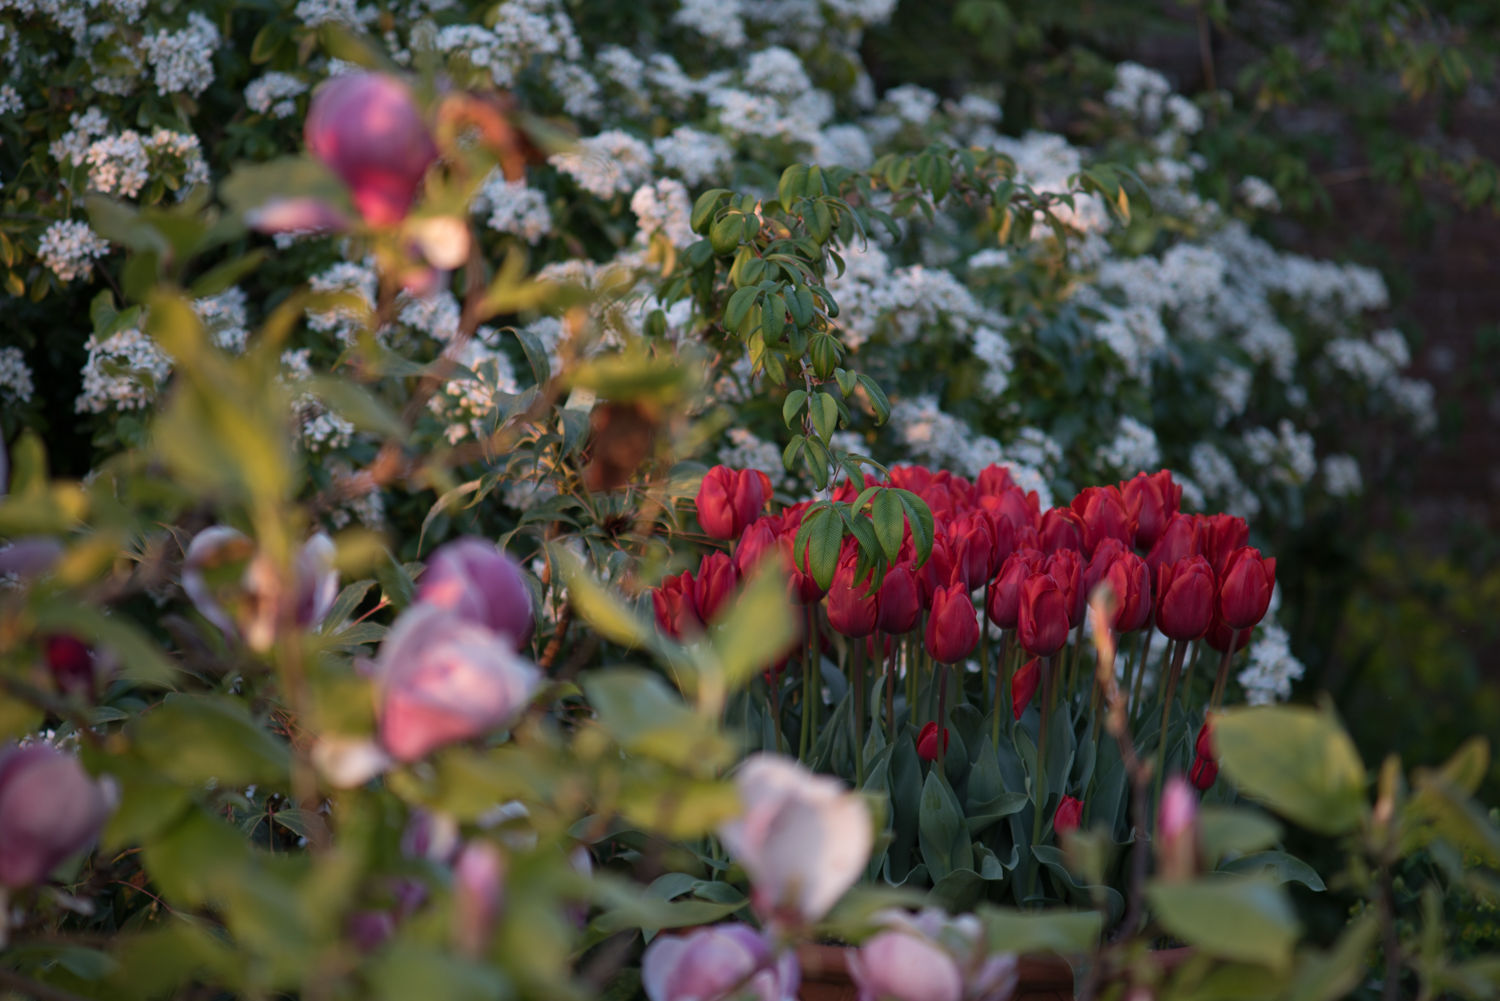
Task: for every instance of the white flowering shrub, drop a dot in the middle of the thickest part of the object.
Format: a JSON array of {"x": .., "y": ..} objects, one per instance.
[{"x": 1078, "y": 310}]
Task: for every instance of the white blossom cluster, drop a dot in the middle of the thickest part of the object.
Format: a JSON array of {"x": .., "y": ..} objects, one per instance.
[
  {"x": 69, "y": 248},
  {"x": 124, "y": 371},
  {"x": 15, "y": 377},
  {"x": 344, "y": 320},
  {"x": 183, "y": 60},
  {"x": 225, "y": 318},
  {"x": 319, "y": 429},
  {"x": 944, "y": 441},
  {"x": 1133, "y": 449},
  {"x": 663, "y": 207},
  {"x": 1272, "y": 668},
  {"x": 274, "y": 94},
  {"x": 746, "y": 451},
  {"x": 1286, "y": 455},
  {"x": 608, "y": 164},
  {"x": 1341, "y": 475},
  {"x": 514, "y": 207}
]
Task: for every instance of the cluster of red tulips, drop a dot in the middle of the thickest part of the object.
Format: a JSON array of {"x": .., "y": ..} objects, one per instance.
[{"x": 996, "y": 553}]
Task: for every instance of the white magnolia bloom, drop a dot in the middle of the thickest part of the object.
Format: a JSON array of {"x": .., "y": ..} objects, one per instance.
[{"x": 803, "y": 839}]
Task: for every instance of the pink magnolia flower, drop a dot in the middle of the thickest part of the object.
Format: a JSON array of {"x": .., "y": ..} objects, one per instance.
[
  {"x": 802, "y": 838},
  {"x": 49, "y": 809},
  {"x": 368, "y": 129},
  {"x": 478, "y": 892},
  {"x": 479, "y": 583},
  {"x": 709, "y": 963},
  {"x": 443, "y": 679},
  {"x": 896, "y": 964}
]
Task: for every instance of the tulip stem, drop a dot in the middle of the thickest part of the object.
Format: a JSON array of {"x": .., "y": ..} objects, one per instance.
[
  {"x": 942, "y": 709},
  {"x": 859, "y": 712},
  {"x": 1047, "y": 668},
  {"x": 984, "y": 648},
  {"x": 1135, "y": 698},
  {"x": 1187, "y": 678},
  {"x": 1131, "y": 657},
  {"x": 1179, "y": 651},
  {"x": 807, "y": 687},
  {"x": 1002, "y": 688},
  {"x": 911, "y": 679},
  {"x": 890, "y": 686},
  {"x": 775, "y": 685},
  {"x": 1223, "y": 678}
]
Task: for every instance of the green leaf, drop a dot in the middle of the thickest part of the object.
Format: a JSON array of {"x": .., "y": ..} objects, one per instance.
[
  {"x": 193, "y": 739},
  {"x": 141, "y": 658},
  {"x": 1227, "y": 830},
  {"x": 1279, "y": 866},
  {"x": 790, "y": 185},
  {"x": 1328, "y": 976},
  {"x": 704, "y": 207},
  {"x": 738, "y": 307},
  {"x": 1247, "y": 919},
  {"x": 793, "y": 405},
  {"x": 941, "y": 831},
  {"x": 407, "y": 970},
  {"x": 601, "y": 608},
  {"x": 1296, "y": 760},
  {"x": 889, "y": 515},
  {"x": 1063, "y": 932},
  {"x": 648, "y": 718},
  {"x": 825, "y": 414},
  {"x": 757, "y": 628},
  {"x": 825, "y": 536},
  {"x": 357, "y": 405}
]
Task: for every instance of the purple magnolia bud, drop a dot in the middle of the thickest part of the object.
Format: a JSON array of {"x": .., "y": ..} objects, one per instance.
[
  {"x": 802, "y": 838},
  {"x": 480, "y": 583},
  {"x": 296, "y": 215},
  {"x": 711, "y": 962},
  {"x": 49, "y": 809},
  {"x": 1176, "y": 838},
  {"x": 317, "y": 581},
  {"x": 429, "y": 835},
  {"x": 442, "y": 679},
  {"x": 478, "y": 892},
  {"x": 369, "y": 930},
  {"x": 29, "y": 557},
  {"x": 368, "y": 129},
  {"x": 896, "y": 964}
]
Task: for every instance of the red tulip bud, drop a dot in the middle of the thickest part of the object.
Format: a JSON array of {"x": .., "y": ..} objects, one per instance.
[
  {"x": 1155, "y": 500},
  {"x": 716, "y": 581},
  {"x": 1220, "y": 635},
  {"x": 851, "y": 603},
  {"x": 1185, "y": 598},
  {"x": 676, "y": 605},
  {"x": 1068, "y": 816},
  {"x": 1023, "y": 685},
  {"x": 1222, "y": 535},
  {"x": 1204, "y": 773},
  {"x": 729, "y": 500},
  {"x": 953, "y": 626},
  {"x": 1105, "y": 515},
  {"x": 1130, "y": 581},
  {"x": 927, "y": 742},
  {"x": 898, "y": 606},
  {"x": 1245, "y": 588},
  {"x": 368, "y": 129},
  {"x": 938, "y": 570},
  {"x": 1004, "y": 606},
  {"x": 1066, "y": 567},
  {"x": 1182, "y": 537},
  {"x": 1043, "y": 619},
  {"x": 1061, "y": 529},
  {"x": 1204, "y": 745}
]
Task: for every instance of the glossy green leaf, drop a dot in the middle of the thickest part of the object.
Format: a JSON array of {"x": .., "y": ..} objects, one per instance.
[
  {"x": 194, "y": 739},
  {"x": 1248, "y": 919},
  {"x": 1296, "y": 760}
]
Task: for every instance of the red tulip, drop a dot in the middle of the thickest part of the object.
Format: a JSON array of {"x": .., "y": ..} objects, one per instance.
[
  {"x": 716, "y": 581},
  {"x": 1066, "y": 567},
  {"x": 1185, "y": 598},
  {"x": 1023, "y": 685},
  {"x": 729, "y": 500},
  {"x": 1105, "y": 515},
  {"x": 1245, "y": 588},
  {"x": 1204, "y": 773},
  {"x": 675, "y": 602},
  {"x": 938, "y": 571},
  {"x": 1061, "y": 529},
  {"x": 1182, "y": 537},
  {"x": 851, "y": 603},
  {"x": 758, "y": 539},
  {"x": 1203, "y": 746},
  {"x": 927, "y": 742},
  {"x": 1043, "y": 618},
  {"x": 953, "y": 626},
  {"x": 1099, "y": 563},
  {"x": 898, "y": 606},
  {"x": 368, "y": 129},
  {"x": 973, "y": 548},
  {"x": 1004, "y": 534},
  {"x": 1222, "y": 535},
  {"x": 1130, "y": 581},
  {"x": 1068, "y": 816},
  {"x": 1020, "y": 508},
  {"x": 1004, "y": 606},
  {"x": 1155, "y": 500},
  {"x": 1220, "y": 635},
  {"x": 994, "y": 480}
]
